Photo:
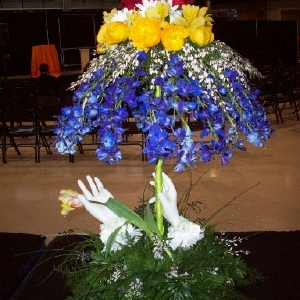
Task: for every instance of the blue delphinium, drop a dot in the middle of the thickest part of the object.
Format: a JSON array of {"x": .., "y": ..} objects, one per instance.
[{"x": 163, "y": 99}]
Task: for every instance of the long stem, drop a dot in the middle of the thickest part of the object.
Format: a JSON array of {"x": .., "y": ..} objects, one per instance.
[
  {"x": 158, "y": 183},
  {"x": 158, "y": 186}
]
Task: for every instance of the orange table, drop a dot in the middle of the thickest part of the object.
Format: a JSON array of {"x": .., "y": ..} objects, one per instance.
[{"x": 45, "y": 54}]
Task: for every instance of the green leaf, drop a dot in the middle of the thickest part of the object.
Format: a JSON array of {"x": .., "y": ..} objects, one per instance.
[
  {"x": 111, "y": 240},
  {"x": 125, "y": 212},
  {"x": 149, "y": 220}
]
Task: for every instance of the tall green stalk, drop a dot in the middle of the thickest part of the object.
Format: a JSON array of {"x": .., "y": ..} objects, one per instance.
[
  {"x": 158, "y": 186},
  {"x": 158, "y": 183}
]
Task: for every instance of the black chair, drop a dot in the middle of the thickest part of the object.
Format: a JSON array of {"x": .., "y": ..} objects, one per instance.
[
  {"x": 19, "y": 124},
  {"x": 21, "y": 128},
  {"x": 130, "y": 130},
  {"x": 133, "y": 135},
  {"x": 46, "y": 109},
  {"x": 279, "y": 93},
  {"x": 285, "y": 100},
  {"x": 2, "y": 133}
]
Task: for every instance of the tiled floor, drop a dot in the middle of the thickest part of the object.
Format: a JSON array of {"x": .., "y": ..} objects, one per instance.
[{"x": 267, "y": 180}]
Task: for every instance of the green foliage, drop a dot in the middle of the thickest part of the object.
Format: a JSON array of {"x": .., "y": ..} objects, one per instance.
[
  {"x": 206, "y": 271},
  {"x": 209, "y": 270}
]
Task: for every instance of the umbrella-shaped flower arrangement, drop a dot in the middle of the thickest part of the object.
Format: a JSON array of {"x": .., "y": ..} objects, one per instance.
[{"x": 159, "y": 63}]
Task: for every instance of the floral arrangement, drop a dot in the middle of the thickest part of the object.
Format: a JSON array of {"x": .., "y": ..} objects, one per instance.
[{"x": 158, "y": 63}]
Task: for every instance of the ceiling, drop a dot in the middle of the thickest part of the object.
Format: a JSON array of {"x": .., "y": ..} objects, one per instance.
[{"x": 57, "y": 4}]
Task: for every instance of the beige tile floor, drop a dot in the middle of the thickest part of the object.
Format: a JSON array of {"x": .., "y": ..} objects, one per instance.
[{"x": 29, "y": 191}]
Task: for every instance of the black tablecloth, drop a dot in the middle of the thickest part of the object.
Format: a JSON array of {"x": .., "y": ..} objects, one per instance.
[
  {"x": 19, "y": 253},
  {"x": 275, "y": 254}
]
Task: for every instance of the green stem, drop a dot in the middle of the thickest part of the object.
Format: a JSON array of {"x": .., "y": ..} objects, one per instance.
[
  {"x": 158, "y": 186},
  {"x": 158, "y": 183}
]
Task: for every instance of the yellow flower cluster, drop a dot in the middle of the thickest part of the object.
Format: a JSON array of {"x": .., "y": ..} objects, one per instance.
[{"x": 156, "y": 24}]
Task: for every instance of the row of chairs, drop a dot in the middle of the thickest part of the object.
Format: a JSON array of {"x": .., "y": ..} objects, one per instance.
[
  {"x": 25, "y": 123},
  {"x": 280, "y": 92},
  {"x": 132, "y": 137},
  {"x": 29, "y": 121}
]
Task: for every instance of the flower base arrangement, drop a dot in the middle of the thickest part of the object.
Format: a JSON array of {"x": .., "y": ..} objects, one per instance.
[
  {"x": 158, "y": 63},
  {"x": 131, "y": 259},
  {"x": 209, "y": 270}
]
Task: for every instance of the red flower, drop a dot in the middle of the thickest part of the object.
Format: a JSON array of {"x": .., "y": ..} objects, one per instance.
[
  {"x": 130, "y": 4},
  {"x": 182, "y": 2}
]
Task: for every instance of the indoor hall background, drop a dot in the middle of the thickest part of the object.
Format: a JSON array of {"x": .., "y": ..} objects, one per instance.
[{"x": 29, "y": 191}]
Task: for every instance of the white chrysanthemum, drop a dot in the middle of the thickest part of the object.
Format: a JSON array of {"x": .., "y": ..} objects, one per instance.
[
  {"x": 174, "y": 12},
  {"x": 126, "y": 233},
  {"x": 121, "y": 15},
  {"x": 184, "y": 234},
  {"x": 145, "y": 5}
]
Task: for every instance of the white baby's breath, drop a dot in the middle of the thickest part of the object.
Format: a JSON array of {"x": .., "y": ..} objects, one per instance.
[
  {"x": 135, "y": 288},
  {"x": 174, "y": 273},
  {"x": 159, "y": 248}
]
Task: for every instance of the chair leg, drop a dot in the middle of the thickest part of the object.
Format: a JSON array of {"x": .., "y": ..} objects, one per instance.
[
  {"x": 80, "y": 148},
  {"x": 37, "y": 147},
  {"x": 4, "y": 157},
  {"x": 277, "y": 111},
  {"x": 46, "y": 145},
  {"x": 296, "y": 109},
  {"x": 144, "y": 155},
  {"x": 12, "y": 141},
  {"x": 71, "y": 158}
]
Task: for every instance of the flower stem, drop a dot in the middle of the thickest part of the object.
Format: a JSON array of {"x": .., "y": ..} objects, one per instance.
[{"x": 158, "y": 186}]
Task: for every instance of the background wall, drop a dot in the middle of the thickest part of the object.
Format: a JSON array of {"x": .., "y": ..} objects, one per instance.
[
  {"x": 23, "y": 26},
  {"x": 41, "y": 27}
]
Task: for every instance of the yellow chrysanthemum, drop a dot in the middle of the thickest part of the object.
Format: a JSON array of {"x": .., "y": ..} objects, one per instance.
[
  {"x": 69, "y": 201},
  {"x": 202, "y": 35},
  {"x": 101, "y": 39},
  {"x": 111, "y": 34},
  {"x": 101, "y": 36},
  {"x": 145, "y": 33},
  {"x": 116, "y": 32},
  {"x": 173, "y": 37}
]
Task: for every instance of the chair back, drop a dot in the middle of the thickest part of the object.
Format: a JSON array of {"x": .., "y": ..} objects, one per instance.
[{"x": 47, "y": 108}]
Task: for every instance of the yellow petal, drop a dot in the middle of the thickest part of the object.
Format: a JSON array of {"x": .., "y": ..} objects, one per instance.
[
  {"x": 208, "y": 18},
  {"x": 101, "y": 36},
  {"x": 163, "y": 9},
  {"x": 180, "y": 21},
  {"x": 108, "y": 16},
  {"x": 65, "y": 209},
  {"x": 203, "y": 11},
  {"x": 198, "y": 22},
  {"x": 151, "y": 12},
  {"x": 132, "y": 16}
]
